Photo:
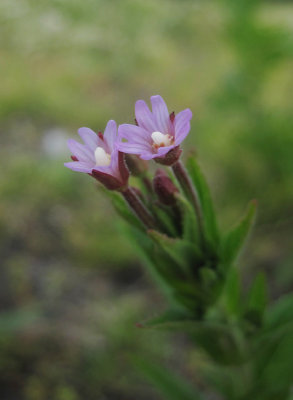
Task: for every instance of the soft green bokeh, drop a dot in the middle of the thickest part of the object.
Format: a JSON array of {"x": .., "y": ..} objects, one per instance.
[{"x": 72, "y": 287}]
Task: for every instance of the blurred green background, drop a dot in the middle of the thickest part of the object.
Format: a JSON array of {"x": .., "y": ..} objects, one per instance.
[{"x": 72, "y": 287}]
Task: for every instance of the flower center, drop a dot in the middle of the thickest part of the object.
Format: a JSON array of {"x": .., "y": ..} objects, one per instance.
[
  {"x": 103, "y": 159},
  {"x": 161, "y": 139}
]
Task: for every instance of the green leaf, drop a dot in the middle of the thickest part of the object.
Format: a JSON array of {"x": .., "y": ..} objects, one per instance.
[
  {"x": 171, "y": 386},
  {"x": 209, "y": 217},
  {"x": 233, "y": 241},
  {"x": 165, "y": 221},
  {"x": 217, "y": 339},
  {"x": 232, "y": 292},
  {"x": 281, "y": 313},
  {"x": 210, "y": 286},
  {"x": 274, "y": 362},
  {"x": 160, "y": 266},
  {"x": 173, "y": 315},
  {"x": 258, "y": 295},
  {"x": 123, "y": 209},
  {"x": 185, "y": 254},
  {"x": 190, "y": 225}
]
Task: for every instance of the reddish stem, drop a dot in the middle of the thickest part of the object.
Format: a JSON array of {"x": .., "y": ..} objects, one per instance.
[
  {"x": 188, "y": 189},
  {"x": 139, "y": 208}
]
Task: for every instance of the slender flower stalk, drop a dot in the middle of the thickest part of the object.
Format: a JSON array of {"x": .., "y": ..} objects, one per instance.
[
  {"x": 138, "y": 207},
  {"x": 188, "y": 189}
]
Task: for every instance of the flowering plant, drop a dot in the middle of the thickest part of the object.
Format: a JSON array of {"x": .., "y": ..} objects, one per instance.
[{"x": 175, "y": 227}]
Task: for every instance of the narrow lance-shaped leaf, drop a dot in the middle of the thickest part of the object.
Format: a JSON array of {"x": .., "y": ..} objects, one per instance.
[
  {"x": 168, "y": 383},
  {"x": 281, "y": 313},
  {"x": 181, "y": 251},
  {"x": 258, "y": 296},
  {"x": 165, "y": 220},
  {"x": 232, "y": 293},
  {"x": 210, "y": 222},
  {"x": 122, "y": 209},
  {"x": 233, "y": 241},
  {"x": 171, "y": 315},
  {"x": 160, "y": 270},
  {"x": 189, "y": 222}
]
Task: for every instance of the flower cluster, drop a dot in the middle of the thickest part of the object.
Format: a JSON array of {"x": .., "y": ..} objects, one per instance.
[
  {"x": 176, "y": 228},
  {"x": 156, "y": 135}
]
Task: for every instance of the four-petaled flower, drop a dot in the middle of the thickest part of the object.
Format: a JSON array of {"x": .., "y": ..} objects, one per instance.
[
  {"x": 157, "y": 133},
  {"x": 99, "y": 157}
]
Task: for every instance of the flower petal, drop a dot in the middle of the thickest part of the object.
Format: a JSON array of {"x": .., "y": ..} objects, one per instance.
[
  {"x": 147, "y": 156},
  {"x": 89, "y": 137},
  {"x": 134, "y": 134},
  {"x": 82, "y": 152},
  {"x": 161, "y": 114},
  {"x": 79, "y": 166},
  {"x": 110, "y": 134},
  {"x": 181, "y": 119},
  {"x": 144, "y": 117},
  {"x": 164, "y": 150},
  {"x": 182, "y": 133},
  {"x": 133, "y": 148}
]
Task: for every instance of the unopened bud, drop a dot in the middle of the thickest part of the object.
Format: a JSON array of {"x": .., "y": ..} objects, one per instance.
[
  {"x": 164, "y": 188},
  {"x": 136, "y": 166}
]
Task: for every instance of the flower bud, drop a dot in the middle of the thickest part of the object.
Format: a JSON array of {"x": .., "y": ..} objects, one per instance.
[
  {"x": 164, "y": 188},
  {"x": 136, "y": 166}
]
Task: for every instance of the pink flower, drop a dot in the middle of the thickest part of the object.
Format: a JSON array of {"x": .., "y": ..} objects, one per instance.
[
  {"x": 99, "y": 156},
  {"x": 157, "y": 133}
]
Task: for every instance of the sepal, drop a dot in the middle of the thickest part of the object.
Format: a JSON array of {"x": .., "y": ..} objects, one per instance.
[
  {"x": 170, "y": 158},
  {"x": 257, "y": 300},
  {"x": 109, "y": 181}
]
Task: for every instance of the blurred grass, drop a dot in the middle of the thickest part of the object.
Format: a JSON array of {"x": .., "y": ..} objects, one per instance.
[{"x": 71, "y": 63}]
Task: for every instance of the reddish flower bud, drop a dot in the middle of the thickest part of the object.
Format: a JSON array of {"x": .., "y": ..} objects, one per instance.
[{"x": 164, "y": 188}]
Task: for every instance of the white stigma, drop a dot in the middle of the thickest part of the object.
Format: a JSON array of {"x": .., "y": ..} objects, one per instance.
[
  {"x": 103, "y": 159},
  {"x": 161, "y": 139}
]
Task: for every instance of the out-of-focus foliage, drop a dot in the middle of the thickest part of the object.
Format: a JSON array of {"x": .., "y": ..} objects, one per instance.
[{"x": 71, "y": 286}]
